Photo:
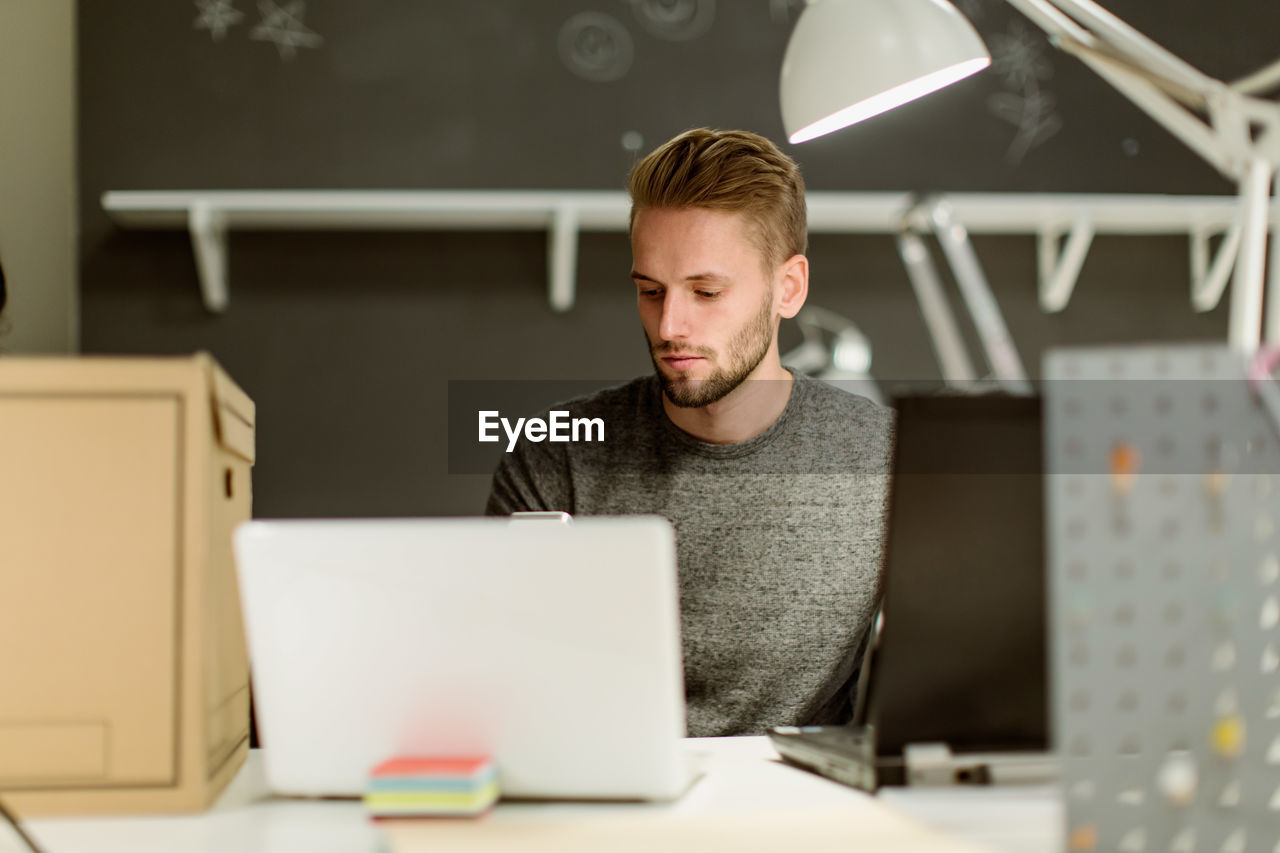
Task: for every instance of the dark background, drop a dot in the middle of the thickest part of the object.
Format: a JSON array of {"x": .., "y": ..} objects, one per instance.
[{"x": 347, "y": 341}]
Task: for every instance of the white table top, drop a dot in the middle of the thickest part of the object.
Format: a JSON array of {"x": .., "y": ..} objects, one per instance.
[{"x": 740, "y": 777}]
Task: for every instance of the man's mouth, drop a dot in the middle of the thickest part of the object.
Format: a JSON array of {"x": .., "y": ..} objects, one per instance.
[{"x": 680, "y": 361}]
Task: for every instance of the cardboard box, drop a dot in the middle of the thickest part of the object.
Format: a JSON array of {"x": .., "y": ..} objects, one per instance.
[{"x": 125, "y": 682}]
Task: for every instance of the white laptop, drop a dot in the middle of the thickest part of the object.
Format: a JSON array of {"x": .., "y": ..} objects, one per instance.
[{"x": 554, "y": 648}]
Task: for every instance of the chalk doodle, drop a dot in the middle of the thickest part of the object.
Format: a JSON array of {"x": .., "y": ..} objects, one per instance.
[
  {"x": 282, "y": 25},
  {"x": 596, "y": 47},
  {"x": 675, "y": 20},
  {"x": 217, "y": 16},
  {"x": 1018, "y": 59}
]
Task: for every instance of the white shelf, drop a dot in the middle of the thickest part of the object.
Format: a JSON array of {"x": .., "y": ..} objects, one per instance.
[{"x": 209, "y": 215}]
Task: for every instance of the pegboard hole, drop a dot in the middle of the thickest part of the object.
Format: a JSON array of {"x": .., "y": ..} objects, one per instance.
[
  {"x": 1262, "y": 486},
  {"x": 1126, "y": 657},
  {"x": 1224, "y": 657},
  {"x": 1269, "y": 570},
  {"x": 1270, "y": 615},
  {"x": 1175, "y": 657}
]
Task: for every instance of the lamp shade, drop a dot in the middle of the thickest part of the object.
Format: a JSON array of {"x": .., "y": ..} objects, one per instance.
[{"x": 848, "y": 60}]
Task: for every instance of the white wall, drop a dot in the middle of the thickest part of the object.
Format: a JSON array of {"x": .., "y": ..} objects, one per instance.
[{"x": 38, "y": 175}]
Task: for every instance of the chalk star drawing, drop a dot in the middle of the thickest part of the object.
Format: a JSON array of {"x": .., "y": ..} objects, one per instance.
[
  {"x": 217, "y": 16},
  {"x": 1019, "y": 61},
  {"x": 283, "y": 26}
]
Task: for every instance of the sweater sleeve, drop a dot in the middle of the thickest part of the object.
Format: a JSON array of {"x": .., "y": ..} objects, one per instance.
[{"x": 531, "y": 478}]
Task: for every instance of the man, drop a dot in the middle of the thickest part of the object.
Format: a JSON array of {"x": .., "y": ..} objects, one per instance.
[{"x": 775, "y": 482}]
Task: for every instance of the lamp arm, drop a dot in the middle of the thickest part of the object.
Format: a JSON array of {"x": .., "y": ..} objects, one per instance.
[
  {"x": 1099, "y": 27},
  {"x": 1213, "y": 119},
  {"x": 1169, "y": 113},
  {"x": 1260, "y": 81}
]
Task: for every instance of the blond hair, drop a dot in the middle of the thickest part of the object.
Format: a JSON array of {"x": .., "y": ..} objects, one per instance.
[{"x": 730, "y": 170}]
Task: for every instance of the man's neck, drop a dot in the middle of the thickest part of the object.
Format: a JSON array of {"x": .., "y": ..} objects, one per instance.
[{"x": 744, "y": 413}]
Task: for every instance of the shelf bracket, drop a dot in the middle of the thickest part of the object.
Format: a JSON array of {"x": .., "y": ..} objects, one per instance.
[
  {"x": 1059, "y": 273},
  {"x": 562, "y": 257},
  {"x": 1208, "y": 282},
  {"x": 208, "y": 230}
]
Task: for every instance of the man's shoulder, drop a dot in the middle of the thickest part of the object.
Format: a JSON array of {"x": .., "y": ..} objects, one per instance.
[{"x": 842, "y": 405}]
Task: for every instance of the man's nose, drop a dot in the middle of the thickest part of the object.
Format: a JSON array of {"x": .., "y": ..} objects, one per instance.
[{"x": 675, "y": 316}]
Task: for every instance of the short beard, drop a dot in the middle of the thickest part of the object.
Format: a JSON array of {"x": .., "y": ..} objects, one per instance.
[{"x": 746, "y": 350}]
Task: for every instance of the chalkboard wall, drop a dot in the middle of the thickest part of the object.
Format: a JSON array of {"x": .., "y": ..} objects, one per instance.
[{"x": 347, "y": 341}]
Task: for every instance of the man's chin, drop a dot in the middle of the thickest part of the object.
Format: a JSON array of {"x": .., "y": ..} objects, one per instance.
[{"x": 688, "y": 393}]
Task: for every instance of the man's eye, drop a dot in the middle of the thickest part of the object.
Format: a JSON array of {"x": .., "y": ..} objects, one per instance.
[
  {"x": 650, "y": 292},
  {"x": 708, "y": 294}
]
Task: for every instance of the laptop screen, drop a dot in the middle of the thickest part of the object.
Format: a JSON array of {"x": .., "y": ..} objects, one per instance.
[{"x": 961, "y": 655}]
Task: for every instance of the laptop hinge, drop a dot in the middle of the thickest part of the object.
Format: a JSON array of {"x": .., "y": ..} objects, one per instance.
[{"x": 929, "y": 764}]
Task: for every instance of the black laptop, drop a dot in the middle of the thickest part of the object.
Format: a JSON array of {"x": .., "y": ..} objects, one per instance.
[{"x": 953, "y": 682}]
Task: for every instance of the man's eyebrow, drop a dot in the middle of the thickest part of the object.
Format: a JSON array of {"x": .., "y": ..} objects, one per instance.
[{"x": 702, "y": 276}]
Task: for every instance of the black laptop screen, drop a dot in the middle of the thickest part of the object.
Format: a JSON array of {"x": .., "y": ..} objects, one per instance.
[{"x": 961, "y": 657}]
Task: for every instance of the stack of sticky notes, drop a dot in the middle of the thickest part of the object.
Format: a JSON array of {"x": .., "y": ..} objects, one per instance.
[{"x": 435, "y": 787}]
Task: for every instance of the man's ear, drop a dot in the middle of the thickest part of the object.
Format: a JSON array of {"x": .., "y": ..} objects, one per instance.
[{"x": 792, "y": 285}]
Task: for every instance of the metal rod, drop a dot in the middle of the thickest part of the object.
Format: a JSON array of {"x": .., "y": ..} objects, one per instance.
[
  {"x": 983, "y": 308},
  {"x": 944, "y": 334},
  {"x": 1244, "y": 330}
]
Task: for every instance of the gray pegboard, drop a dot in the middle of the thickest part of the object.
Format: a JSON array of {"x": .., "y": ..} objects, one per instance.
[{"x": 1162, "y": 503}]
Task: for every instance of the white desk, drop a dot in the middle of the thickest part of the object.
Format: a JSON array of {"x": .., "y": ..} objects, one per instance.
[{"x": 741, "y": 778}]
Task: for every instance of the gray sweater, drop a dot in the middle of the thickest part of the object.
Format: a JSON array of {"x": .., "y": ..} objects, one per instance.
[{"x": 779, "y": 540}]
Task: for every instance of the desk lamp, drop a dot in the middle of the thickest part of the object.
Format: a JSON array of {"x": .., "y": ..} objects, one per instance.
[{"x": 848, "y": 60}]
